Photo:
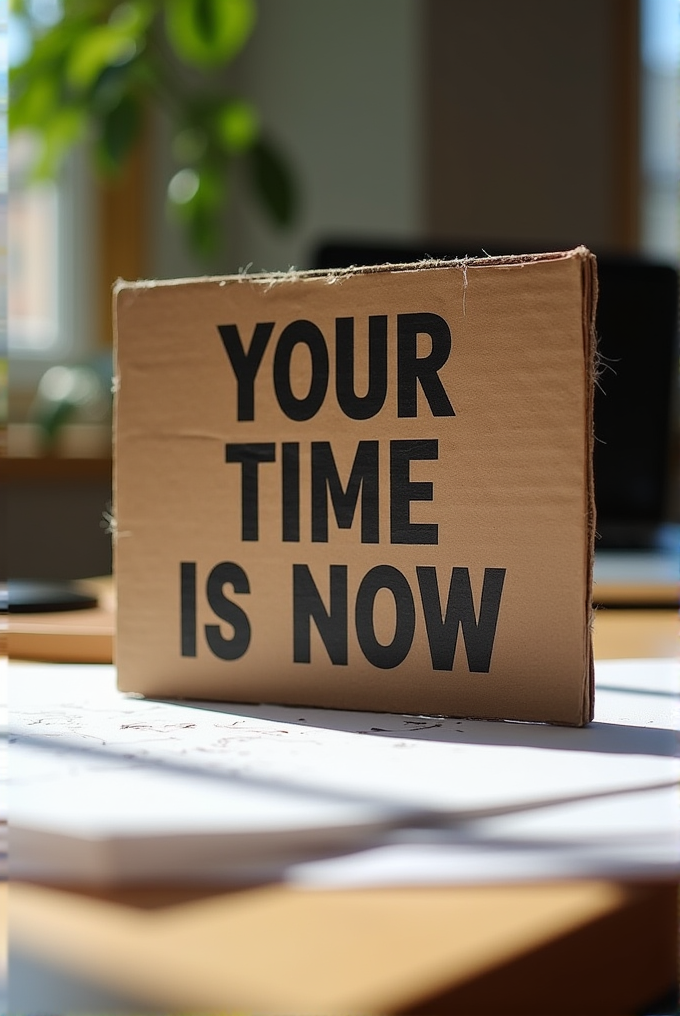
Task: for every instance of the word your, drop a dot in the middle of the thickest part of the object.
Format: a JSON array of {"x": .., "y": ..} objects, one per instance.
[
  {"x": 332, "y": 621},
  {"x": 412, "y": 370}
]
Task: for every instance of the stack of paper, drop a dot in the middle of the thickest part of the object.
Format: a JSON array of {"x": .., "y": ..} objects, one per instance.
[{"x": 107, "y": 787}]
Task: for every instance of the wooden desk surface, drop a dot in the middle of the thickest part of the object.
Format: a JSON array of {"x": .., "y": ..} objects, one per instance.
[
  {"x": 566, "y": 948},
  {"x": 635, "y": 634},
  {"x": 584, "y": 947}
]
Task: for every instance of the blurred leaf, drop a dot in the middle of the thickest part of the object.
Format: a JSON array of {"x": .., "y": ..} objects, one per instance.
[
  {"x": 200, "y": 214},
  {"x": 35, "y": 104},
  {"x": 108, "y": 91},
  {"x": 120, "y": 128},
  {"x": 238, "y": 125},
  {"x": 212, "y": 188},
  {"x": 52, "y": 48},
  {"x": 60, "y": 133},
  {"x": 133, "y": 17},
  {"x": 189, "y": 145},
  {"x": 203, "y": 231},
  {"x": 273, "y": 183},
  {"x": 101, "y": 47},
  {"x": 208, "y": 33}
]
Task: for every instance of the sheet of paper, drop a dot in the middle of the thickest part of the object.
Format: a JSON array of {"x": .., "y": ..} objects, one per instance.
[
  {"x": 634, "y": 836},
  {"x": 109, "y": 786}
]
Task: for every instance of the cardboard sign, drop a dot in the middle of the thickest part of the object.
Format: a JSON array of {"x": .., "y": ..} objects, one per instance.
[{"x": 367, "y": 490}]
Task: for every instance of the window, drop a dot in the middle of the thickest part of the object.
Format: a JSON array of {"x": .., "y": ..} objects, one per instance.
[
  {"x": 31, "y": 269},
  {"x": 3, "y": 222},
  {"x": 52, "y": 237},
  {"x": 660, "y": 65}
]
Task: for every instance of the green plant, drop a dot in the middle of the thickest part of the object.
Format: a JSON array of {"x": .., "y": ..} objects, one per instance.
[{"x": 93, "y": 75}]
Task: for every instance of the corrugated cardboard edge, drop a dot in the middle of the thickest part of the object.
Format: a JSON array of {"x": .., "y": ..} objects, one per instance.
[
  {"x": 336, "y": 276},
  {"x": 591, "y": 363}
]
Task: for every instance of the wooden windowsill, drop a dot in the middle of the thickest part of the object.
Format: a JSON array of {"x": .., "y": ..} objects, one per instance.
[
  {"x": 54, "y": 469},
  {"x": 82, "y": 453}
]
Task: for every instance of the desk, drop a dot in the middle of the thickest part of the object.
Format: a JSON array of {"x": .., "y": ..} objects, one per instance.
[
  {"x": 630, "y": 634},
  {"x": 584, "y": 948},
  {"x": 560, "y": 948}
]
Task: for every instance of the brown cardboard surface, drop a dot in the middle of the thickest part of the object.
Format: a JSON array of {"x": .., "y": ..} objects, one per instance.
[{"x": 510, "y": 489}]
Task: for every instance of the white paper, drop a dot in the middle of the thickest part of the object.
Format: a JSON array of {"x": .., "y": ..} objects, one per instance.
[{"x": 106, "y": 786}]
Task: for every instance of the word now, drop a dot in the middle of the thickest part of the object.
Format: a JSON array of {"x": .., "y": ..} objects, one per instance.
[
  {"x": 332, "y": 621},
  {"x": 363, "y": 482},
  {"x": 412, "y": 370}
]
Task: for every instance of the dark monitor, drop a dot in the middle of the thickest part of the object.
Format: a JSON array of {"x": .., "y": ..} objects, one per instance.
[{"x": 637, "y": 326}]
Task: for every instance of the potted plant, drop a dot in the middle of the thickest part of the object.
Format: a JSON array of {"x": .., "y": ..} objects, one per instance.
[{"x": 92, "y": 72}]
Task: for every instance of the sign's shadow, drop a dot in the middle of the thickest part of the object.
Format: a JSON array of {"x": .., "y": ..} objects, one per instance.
[{"x": 610, "y": 738}]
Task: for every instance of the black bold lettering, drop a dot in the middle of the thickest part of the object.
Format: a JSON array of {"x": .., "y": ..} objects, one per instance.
[
  {"x": 412, "y": 369},
  {"x": 234, "y": 647},
  {"x": 442, "y": 630},
  {"x": 307, "y": 334},
  {"x": 331, "y": 624},
  {"x": 187, "y": 610},
  {"x": 250, "y": 456},
  {"x": 290, "y": 491},
  {"x": 403, "y": 490},
  {"x": 384, "y": 576},
  {"x": 365, "y": 406},
  {"x": 364, "y": 477},
  {"x": 246, "y": 365}
]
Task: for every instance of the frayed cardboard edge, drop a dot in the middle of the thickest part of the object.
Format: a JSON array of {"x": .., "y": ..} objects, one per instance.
[
  {"x": 333, "y": 276},
  {"x": 593, "y": 366}
]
